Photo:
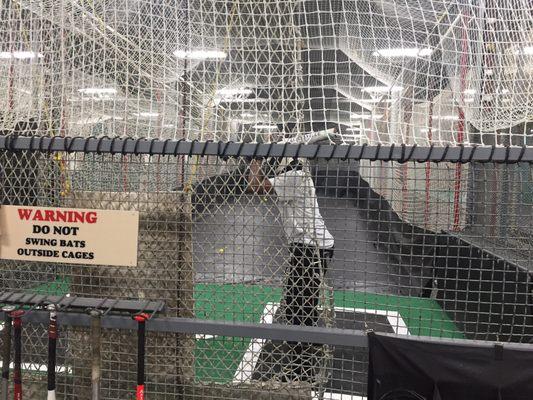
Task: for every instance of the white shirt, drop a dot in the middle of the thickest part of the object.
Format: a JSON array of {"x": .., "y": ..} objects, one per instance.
[{"x": 298, "y": 207}]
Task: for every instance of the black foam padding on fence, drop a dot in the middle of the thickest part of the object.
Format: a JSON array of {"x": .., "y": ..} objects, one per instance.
[
  {"x": 404, "y": 368},
  {"x": 489, "y": 297},
  {"x": 401, "y": 153}
]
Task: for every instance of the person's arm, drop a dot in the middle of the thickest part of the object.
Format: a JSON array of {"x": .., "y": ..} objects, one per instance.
[{"x": 257, "y": 182}]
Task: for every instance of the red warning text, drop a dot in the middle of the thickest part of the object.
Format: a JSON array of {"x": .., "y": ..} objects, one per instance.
[{"x": 75, "y": 216}]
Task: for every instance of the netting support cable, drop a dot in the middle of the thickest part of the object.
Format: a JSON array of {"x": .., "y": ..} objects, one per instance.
[{"x": 404, "y": 153}]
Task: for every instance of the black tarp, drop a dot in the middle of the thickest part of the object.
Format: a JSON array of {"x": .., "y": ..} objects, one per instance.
[
  {"x": 407, "y": 368},
  {"x": 489, "y": 297},
  {"x": 409, "y": 247}
]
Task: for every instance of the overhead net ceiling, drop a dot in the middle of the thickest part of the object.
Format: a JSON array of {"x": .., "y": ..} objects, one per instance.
[{"x": 380, "y": 71}]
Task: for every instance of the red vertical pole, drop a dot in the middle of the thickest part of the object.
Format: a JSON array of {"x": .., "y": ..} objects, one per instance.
[
  {"x": 460, "y": 132},
  {"x": 11, "y": 75},
  {"x": 428, "y": 167},
  {"x": 6, "y": 349},
  {"x": 124, "y": 162},
  {"x": 17, "y": 342},
  {"x": 458, "y": 176},
  {"x": 404, "y": 188},
  {"x": 11, "y": 85},
  {"x": 408, "y": 119},
  {"x": 141, "y": 349},
  {"x": 52, "y": 352}
]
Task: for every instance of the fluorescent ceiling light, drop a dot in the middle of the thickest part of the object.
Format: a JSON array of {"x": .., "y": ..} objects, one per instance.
[
  {"x": 448, "y": 118},
  {"x": 93, "y": 120},
  {"x": 403, "y": 52},
  {"x": 255, "y": 100},
  {"x": 261, "y": 116},
  {"x": 470, "y": 91},
  {"x": 469, "y": 100},
  {"x": 425, "y": 52},
  {"x": 504, "y": 91},
  {"x": 234, "y": 92},
  {"x": 374, "y": 101},
  {"x": 200, "y": 55},
  {"x": 366, "y": 116},
  {"x": 240, "y": 100},
  {"x": 526, "y": 50},
  {"x": 489, "y": 72},
  {"x": 98, "y": 91},
  {"x": 264, "y": 126},
  {"x": 146, "y": 114},
  {"x": 382, "y": 89},
  {"x": 6, "y": 55}
]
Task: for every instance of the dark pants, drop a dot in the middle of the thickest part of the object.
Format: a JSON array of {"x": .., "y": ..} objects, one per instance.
[
  {"x": 302, "y": 296},
  {"x": 302, "y": 293}
]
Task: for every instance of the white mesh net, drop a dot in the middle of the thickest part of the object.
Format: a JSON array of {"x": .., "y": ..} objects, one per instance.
[
  {"x": 378, "y": 71},
  {"x": 441, "y": 72},
  {"x": 424, "y": 72}
]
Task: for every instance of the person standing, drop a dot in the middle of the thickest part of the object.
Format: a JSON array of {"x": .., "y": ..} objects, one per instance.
[{"x": 310, "y": 243}]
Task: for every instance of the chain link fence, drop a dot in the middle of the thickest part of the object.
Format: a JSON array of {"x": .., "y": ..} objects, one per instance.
[{"x": 274, "y": 242}]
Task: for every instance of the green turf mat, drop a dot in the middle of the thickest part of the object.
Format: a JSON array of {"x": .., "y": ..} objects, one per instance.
[
  {"x": 59, "y": 287},
  {"x": 423, "y": 317},
  {"x": 217, "y": 359},
  {"x": 243, "y": 303}
]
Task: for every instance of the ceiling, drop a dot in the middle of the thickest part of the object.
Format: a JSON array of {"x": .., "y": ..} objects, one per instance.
[{"x": 130, "y": 44}]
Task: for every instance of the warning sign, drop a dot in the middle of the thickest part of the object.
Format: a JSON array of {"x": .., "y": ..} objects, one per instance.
[{"x": 69, "y": 235}]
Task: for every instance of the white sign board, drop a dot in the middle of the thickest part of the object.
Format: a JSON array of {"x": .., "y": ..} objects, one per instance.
[{"x": 69, "y": 235}]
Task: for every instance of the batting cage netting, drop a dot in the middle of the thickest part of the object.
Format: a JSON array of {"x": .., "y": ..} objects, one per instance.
[{"x": 303, "y": 171}]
